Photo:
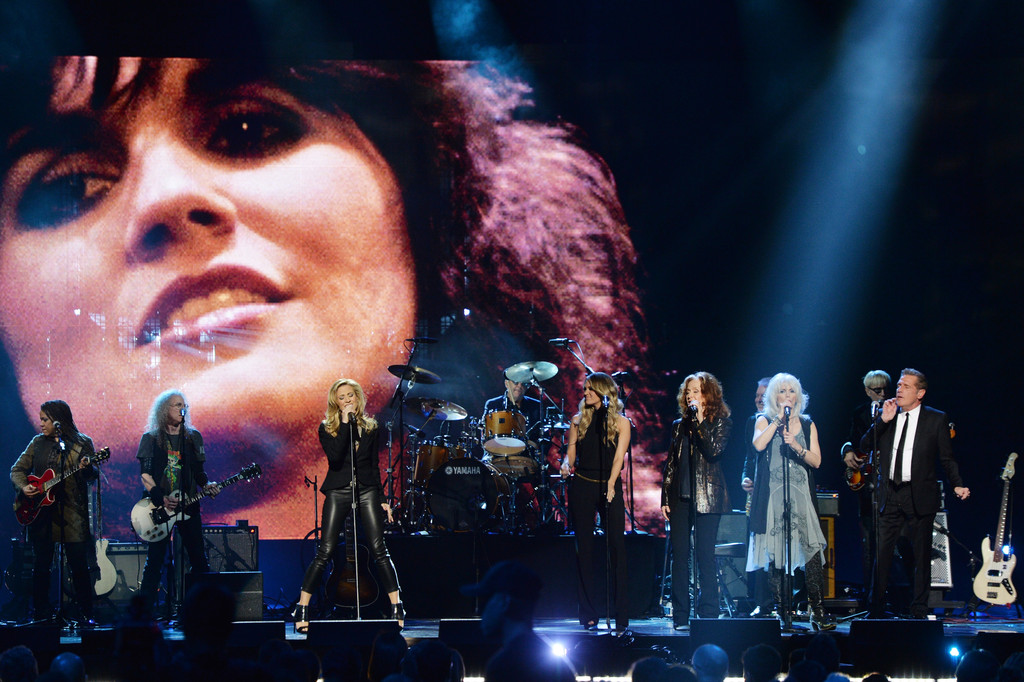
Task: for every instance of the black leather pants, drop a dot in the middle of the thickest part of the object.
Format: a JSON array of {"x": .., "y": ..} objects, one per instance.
[{"x": 337, "y": 505}]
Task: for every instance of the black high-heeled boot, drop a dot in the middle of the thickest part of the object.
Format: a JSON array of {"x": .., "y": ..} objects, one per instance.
[
  {"x": 814, "y": 576},
  {"x": 398, "y": 613},
  {"x": 300, "y": 614}
]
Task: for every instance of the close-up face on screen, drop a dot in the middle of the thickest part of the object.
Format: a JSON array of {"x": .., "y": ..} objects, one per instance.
[{"x": 248, "y": 234}]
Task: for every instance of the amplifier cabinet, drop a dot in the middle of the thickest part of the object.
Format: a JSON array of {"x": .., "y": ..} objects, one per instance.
[{"x": 230, "y": 548}]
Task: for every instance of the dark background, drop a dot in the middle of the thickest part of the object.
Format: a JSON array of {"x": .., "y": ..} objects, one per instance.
[{"x": 768, "y": 242}]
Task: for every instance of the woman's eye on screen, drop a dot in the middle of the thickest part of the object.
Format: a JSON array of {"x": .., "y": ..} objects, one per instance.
[
  {"x": 254, "y": 133},
  {"x": 63, "y": 191}
]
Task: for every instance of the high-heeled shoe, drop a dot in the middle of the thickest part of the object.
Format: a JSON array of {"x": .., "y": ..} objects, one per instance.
[
  {"x": 822, "y": 620},
  {"x": 300, "y": 614},
  {"x": 398, "y": 613}
]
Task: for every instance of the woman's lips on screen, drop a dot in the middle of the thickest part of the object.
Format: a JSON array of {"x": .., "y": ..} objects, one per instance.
[{"x": 219, "y": 303}]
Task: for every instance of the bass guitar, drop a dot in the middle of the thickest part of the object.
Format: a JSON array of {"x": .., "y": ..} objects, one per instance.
[
  {"x": 993, "y": 584},
  {"x": 152, "y": 523},
  {"x": 27, "y": 508},
  {"x": 104, "y": 573}
]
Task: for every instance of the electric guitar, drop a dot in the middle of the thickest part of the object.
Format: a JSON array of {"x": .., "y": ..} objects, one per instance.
[
  {"x": 27, "y": 508},
  {"x": 152, "y": 523},
  {"x": 992, "y": 584},
  {"x": 341, "y": 585},
  {"x": 858, "y": 478},
  {"x": 104, "y": 574}
]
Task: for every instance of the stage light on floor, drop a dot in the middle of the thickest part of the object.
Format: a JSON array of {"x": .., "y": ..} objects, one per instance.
[
  {"x": 954, "y": 652},
  {"x": 559, "y": 650}
]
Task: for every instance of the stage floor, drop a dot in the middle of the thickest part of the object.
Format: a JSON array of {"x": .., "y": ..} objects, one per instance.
[{"x": 915, "y": 649}]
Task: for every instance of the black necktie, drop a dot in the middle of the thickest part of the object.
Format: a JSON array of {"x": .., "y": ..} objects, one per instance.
[{"x": 897, "y": 475}]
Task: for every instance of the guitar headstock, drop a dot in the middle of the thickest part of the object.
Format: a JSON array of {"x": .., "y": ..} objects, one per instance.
[
  {"x": 250, "y": 472},
  {"x": 1008, "y": 469},
  {"x": 100, "y": 456}
]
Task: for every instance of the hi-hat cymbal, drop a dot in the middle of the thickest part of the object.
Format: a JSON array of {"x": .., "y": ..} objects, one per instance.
[
  {"x": 442, "y": 410},
  {"x": 407, "y": 372},
  {"x": 525, "y": 372}
]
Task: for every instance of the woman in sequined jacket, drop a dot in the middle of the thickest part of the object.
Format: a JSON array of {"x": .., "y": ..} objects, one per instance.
[{"x": 694, "y": 486}]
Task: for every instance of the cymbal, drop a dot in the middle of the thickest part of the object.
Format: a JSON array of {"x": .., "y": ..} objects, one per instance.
[
  {"x": 442, "y": 410},
  {"x": 525, "y": 372},
  {"x": 407, "y": 372}
]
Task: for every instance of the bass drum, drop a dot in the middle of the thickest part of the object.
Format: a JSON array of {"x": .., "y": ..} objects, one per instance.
[{"x": 464, "y": 494}]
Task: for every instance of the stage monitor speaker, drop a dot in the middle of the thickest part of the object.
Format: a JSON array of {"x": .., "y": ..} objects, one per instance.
[
  {"x": 251, "y": 634},
  {"x": 735, "y": 635},
  {"x": 942, "y": 572},
  {"x": 733, "y": 528},
  {"x": 899, "y": 648},
  {"x": 828, "y": 528},
  {"x": 358, "y": 633},
  {"x": 247, "y": 586},
  {"x": 41, "y": 639},
  {"x": 457, "y": 632},
  {"x": 1002, "y": 643}
]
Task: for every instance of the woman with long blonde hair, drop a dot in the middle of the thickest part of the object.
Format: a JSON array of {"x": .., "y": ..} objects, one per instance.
[
  {"x": 598, "y": 440},
  {"x": 346, "y": 430}
]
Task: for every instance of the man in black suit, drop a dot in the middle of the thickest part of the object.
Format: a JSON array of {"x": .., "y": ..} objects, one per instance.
[{"x": 912, "y": 440}]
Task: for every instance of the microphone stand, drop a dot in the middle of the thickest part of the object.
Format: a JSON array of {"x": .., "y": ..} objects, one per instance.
[
  {"x": 691, "y": 529},
  {"x": 786, "y": 604},
  {"x": 602, "y": 449},
  {"x": 61, "y": 553},
  {"x": 353, "y": 426}
]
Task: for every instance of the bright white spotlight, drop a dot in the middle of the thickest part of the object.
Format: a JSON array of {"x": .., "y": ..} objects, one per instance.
[
  {"x": 954, "y": 652},
  {"x": 559, "y": 650}
]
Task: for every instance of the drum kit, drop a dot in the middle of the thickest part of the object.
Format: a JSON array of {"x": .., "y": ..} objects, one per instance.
[{"x": 494, "y": 473}]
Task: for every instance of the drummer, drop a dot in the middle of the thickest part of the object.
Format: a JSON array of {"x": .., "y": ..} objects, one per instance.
[{"x": 515, "y": 397}]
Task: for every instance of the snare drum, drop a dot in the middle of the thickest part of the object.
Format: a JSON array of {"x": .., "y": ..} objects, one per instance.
[
  {"x": 431, "y": 455},
  {"x": 464, "y": 493},
  {"x": 504, "y": 432}
]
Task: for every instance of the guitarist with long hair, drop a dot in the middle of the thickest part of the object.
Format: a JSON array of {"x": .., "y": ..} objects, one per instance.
[
  {"x": 58, "y": 450},
  {"x": 172, "y": 458}
]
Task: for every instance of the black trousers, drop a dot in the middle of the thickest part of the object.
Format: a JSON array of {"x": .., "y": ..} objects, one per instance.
[
  {"x": 585, "y": 499},
  {"x": 77, "y": 554},
  {"x": 337, "y": 505},
  {"x": 899, "y": 509},
  {"x": 707, "y": 574},
  {"x": 190, "y": 531}
]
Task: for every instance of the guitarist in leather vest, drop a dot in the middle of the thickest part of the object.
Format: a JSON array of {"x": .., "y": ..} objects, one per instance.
[
  {"x": 172, "y": 459},
  {"x": 60, "y": 448}
]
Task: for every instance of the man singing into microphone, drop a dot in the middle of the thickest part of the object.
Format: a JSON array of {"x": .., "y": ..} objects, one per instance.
[
  {"x": 59, "y": 447},
  {"x": 876, "y": 386},
  {"x": 912, "y": 440},
  {"x": 172, "y": 457}
]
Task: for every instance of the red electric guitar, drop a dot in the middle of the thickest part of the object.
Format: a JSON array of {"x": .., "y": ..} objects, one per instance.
[{"x": 27, "y": 508}]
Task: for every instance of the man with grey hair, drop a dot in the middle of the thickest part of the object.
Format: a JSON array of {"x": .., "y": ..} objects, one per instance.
[{"x": 877, "y": 388}]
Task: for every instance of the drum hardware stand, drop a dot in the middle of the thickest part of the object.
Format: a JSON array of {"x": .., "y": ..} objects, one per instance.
[{"x": 407, "y": 375}]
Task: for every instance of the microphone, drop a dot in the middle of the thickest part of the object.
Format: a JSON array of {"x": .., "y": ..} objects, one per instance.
[
  {"x": 606, "y": 401},
  {"x": 183, "y": 413},
  {"x": 561, "y": 342},
  {"x": 60, "y": 441},
  {"x": 875, "y": 405},
  {"x": 693, "y": 409},
  {"x": 787, "y": 411},
  {"x": 422, "y": 339}
]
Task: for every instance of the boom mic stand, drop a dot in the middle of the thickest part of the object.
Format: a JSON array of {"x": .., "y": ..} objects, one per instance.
[{"x": 353, "y": 434}]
